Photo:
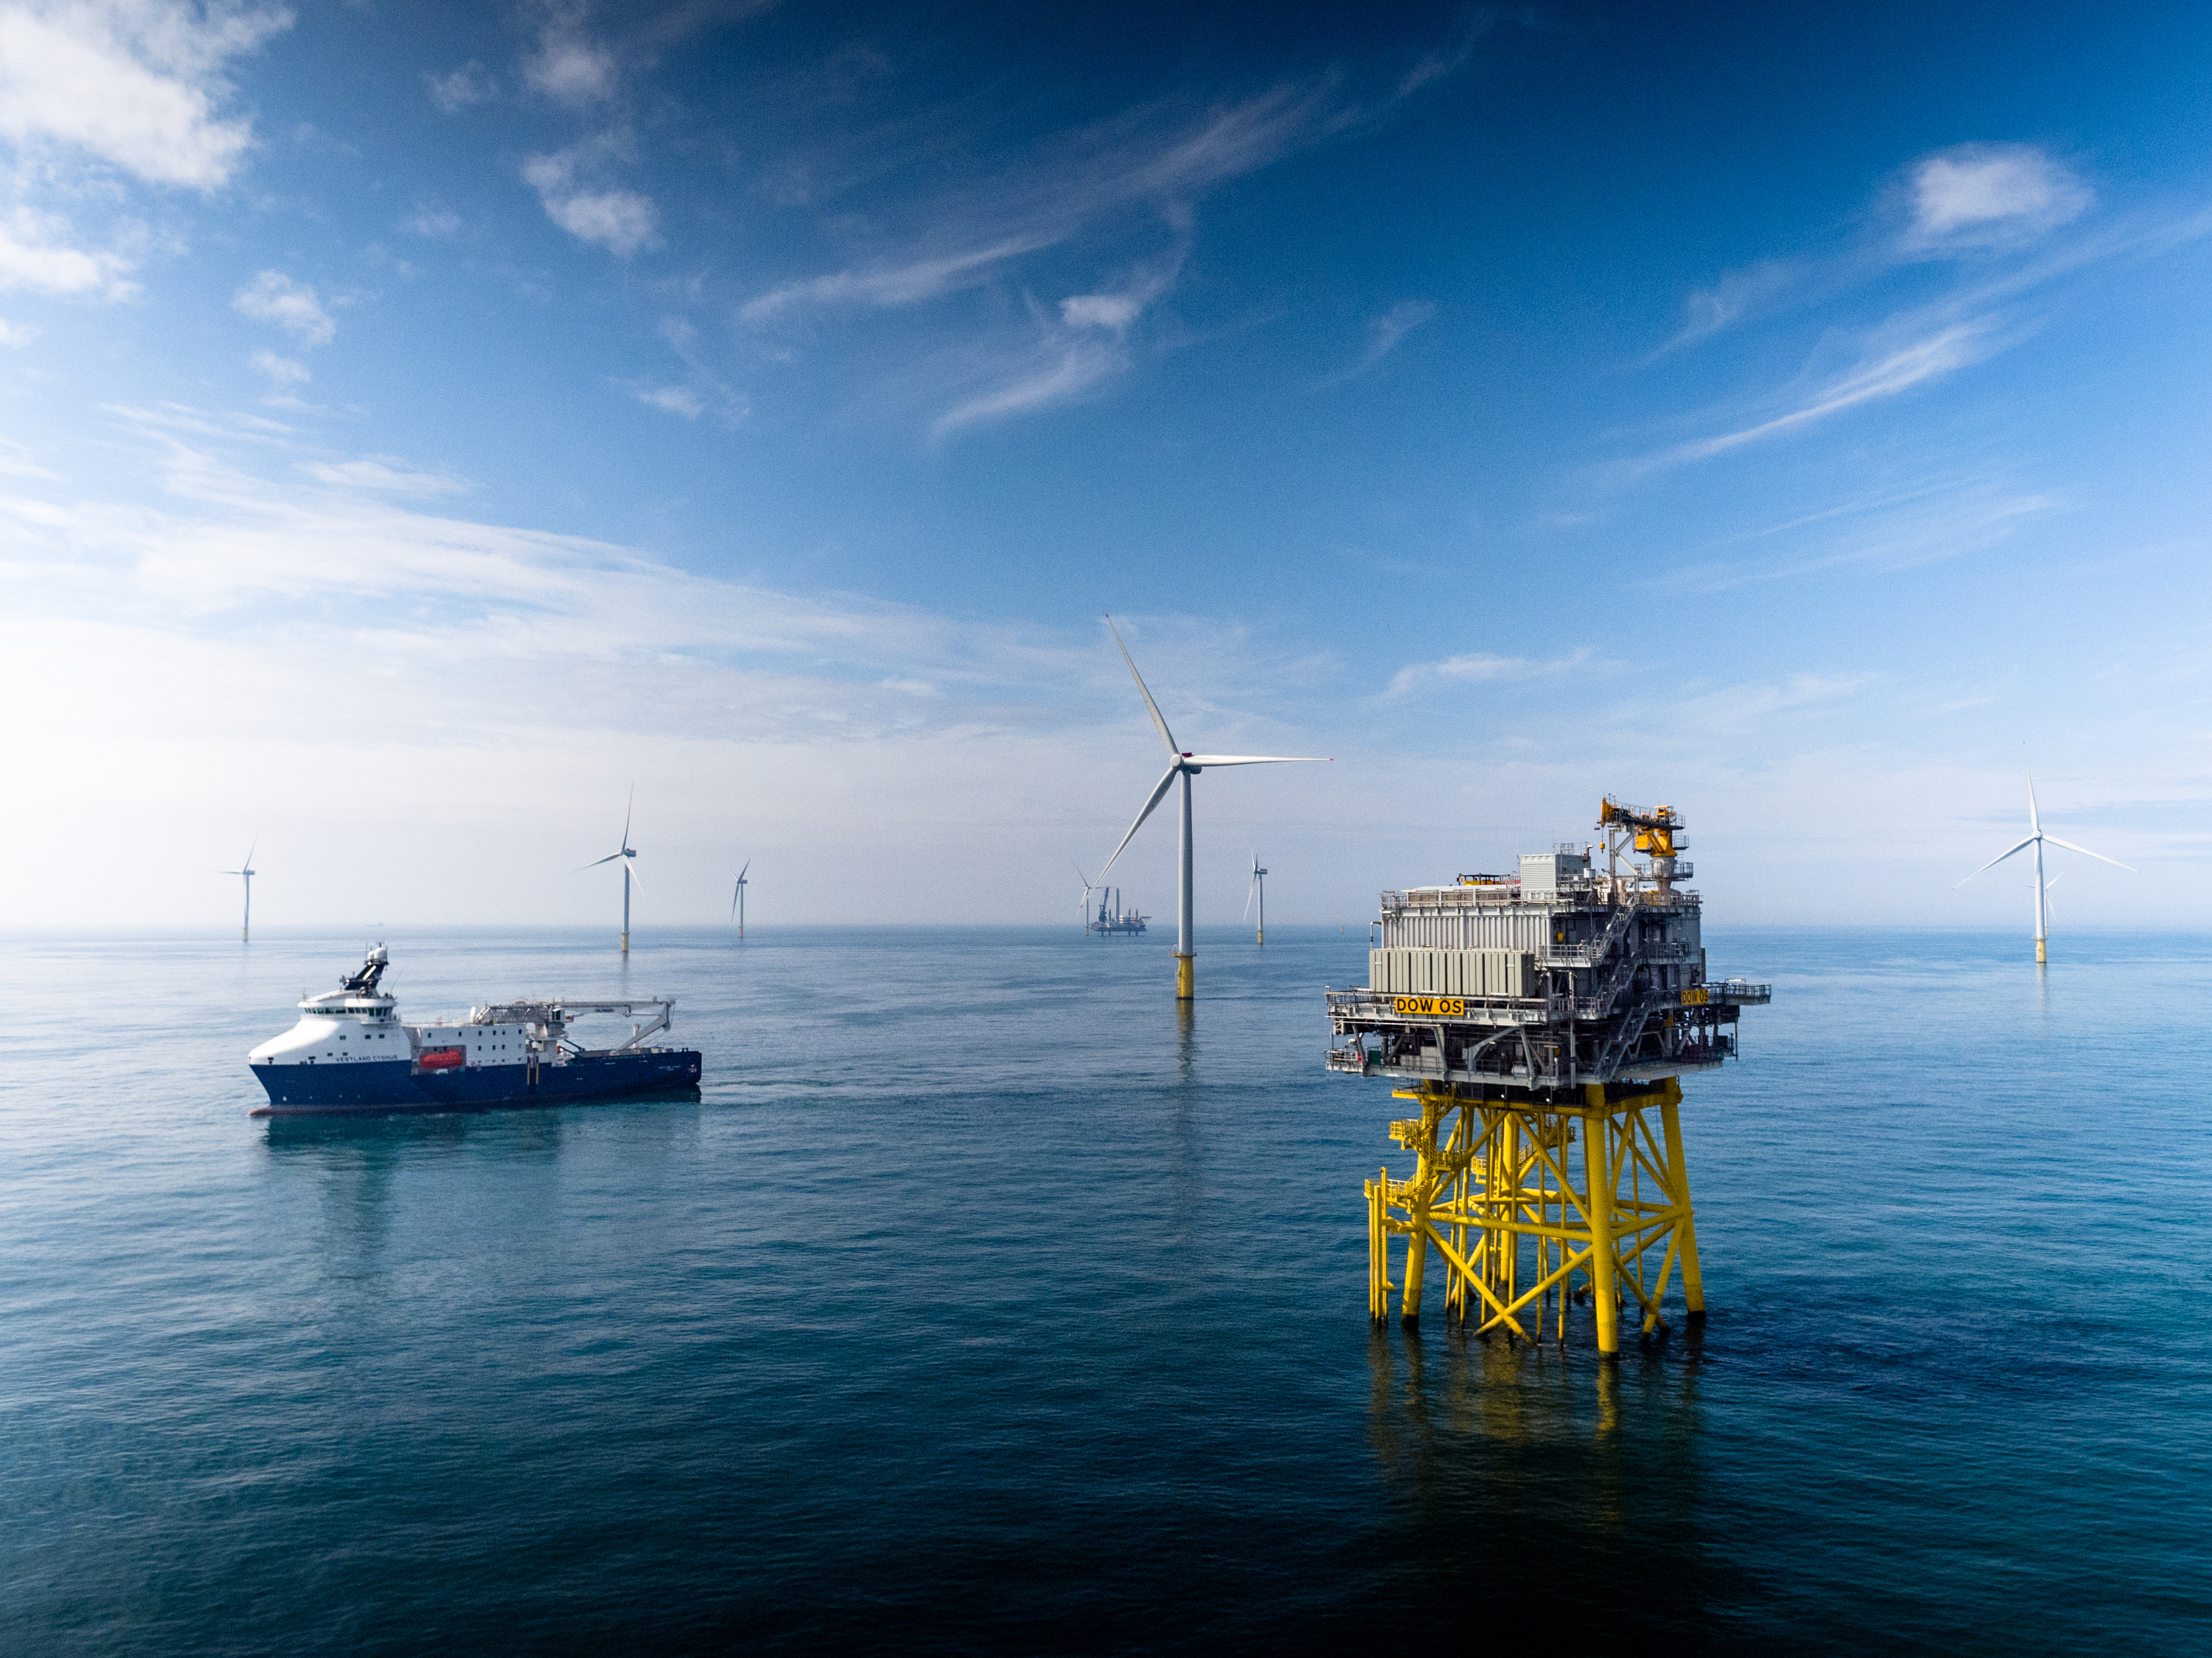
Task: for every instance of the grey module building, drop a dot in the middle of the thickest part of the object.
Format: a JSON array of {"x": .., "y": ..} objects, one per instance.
[{"x": 1538, "y": 983}]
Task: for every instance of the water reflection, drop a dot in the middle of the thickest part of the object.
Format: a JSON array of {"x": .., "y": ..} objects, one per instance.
[{"x": 1504, "y": 1464}]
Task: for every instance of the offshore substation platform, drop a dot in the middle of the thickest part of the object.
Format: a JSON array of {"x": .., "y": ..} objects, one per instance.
[{"x": 1541, "y": 1021}]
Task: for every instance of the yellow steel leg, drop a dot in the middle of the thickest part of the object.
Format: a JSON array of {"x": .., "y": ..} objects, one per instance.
[
  {"x": 1186, "y": 978},
  {"x": 1378, "y": 1251},
  {"x": 1597, "y": 1167},
  {"x": 1417, "y": 1256},
  {"x": 1693, "y": 1279}
]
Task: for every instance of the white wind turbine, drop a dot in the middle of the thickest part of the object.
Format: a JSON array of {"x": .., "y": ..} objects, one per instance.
[
  {"x": 1087, "y": 890},
  {"x": 737, "y": 899},
  {"x": 627, "y": 853},
  {"x": 245, "y": 927},
  {"x": 1257, "y": 890},
  {"x": 1185, "y": 765},
  {"x": 2042, "y": 888}
]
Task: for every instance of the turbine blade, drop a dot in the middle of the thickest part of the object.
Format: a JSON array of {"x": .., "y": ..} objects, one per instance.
[
  {"x": 595, "y": 863},
  {"x": 1080, "y": 875},
  {"x": 1257, "y": 759},
  {"x": 741, "y": 873},
  {"x": 2086, "y": 853},
  {"x": 1994, "y": 861},
  {"x": 627, "y": 807},
  {"x": 733, "y": 905},
  {"x": 1250, "y": 887},
  {"x": 250, "y": 850},
  {"x": 632, "y": 866},
  {"x": 1166, "y": 736},
  {"x": 2034, "y": 823},
  {"x": 1161, "y": 790}
]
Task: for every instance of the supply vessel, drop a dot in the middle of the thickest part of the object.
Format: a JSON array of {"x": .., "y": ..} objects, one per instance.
[{"x": 352, "y": 1053}]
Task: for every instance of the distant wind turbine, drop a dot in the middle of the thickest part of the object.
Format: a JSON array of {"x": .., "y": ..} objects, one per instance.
[
  {"x": 627, "y": 853},
  {"x": 2041, "y": 888},
  {"x": 1185, "y": 765},
  {"x": 737, "y": 899},
  {"x": 1087, "y": 890},
  {"x": 1257, "y": 890},
  {"x": 245, "y": 927}
]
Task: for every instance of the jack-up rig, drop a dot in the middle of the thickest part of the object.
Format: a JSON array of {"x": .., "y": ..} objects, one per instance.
[
  {"x": 1111, "y": 917},
  {"x": 1541, "y": 1021}
]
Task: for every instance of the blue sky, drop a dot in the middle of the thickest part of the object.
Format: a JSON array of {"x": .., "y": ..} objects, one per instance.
[{"x": 421, "y": 423}]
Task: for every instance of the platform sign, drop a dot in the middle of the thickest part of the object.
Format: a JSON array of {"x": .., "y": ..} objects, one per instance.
[{"x": 1429, "y": 1007}]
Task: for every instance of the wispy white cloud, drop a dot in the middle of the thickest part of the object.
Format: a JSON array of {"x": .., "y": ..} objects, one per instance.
[
  {"x": 1145, "y": 158},
  {"x": 38, "y": 254},
  {"x": 1892, "y": 366},
  {"x": 136, "y": 84},
  {"x": 16, "y": 462},
  {"x": 1478, "y": 667},
  {"x": 436, "y": 223},
  {"x": 461, "y": 88},
  {"x": 273, "y": 297},
  {"x": 1078, "y": 189},
  {"x": 1061, "y": 370},
  {"x": 675, "y": 399},
  {"x": 284, "y": 373},
  {"x": 1990, "y": 195},
  {"x": 1448, "y": 59},
  {"x": 621, "y": 221},
  {"x": 1970, "y": 199},
  {"x": 385, "y": 474},
  {"x": 1384, "y": 334},
  {"x": 1728, "y": 302},
  {"x": 1883, "y": 531},
  {"x": 1739, "y": 707},
  {"x": 569, "y": 64},
  {"x": 905, "y": 283}
]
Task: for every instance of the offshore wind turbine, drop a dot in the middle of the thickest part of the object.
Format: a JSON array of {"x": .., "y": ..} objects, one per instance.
[
  {"x": 627, "y": 853},
  {"x": 1087, "y": 888},
  {"x": 1257, "y": 890},
  {"x": 2041, "y": 888},
  {"x": 1185, "y": 765},
  {"x": 245, "y": 927},
  {"x": 737, "y": 900}
]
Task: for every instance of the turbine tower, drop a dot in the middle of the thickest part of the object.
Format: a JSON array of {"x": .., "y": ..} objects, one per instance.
[
  {"x": 2041, "y": 888},
  {"x": 737, "y": 900},
  {"x": 1258, "y": 889},
  {"x": 245, "y": 927},
  {"x": 626, "y": 852},
  {"x": 1186, "y": 766}
]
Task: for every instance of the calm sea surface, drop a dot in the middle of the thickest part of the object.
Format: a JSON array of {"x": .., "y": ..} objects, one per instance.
[{"x": 981, "y": 1303}]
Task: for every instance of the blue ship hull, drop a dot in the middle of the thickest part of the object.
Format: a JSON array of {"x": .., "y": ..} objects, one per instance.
[{"x": 396, "y": 1085}]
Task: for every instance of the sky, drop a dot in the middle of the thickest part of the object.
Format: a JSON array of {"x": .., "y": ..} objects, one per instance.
[{"x": 423, "y": 425}]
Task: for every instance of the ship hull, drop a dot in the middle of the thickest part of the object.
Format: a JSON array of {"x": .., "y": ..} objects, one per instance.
[{"x": 356, "y": 1089}]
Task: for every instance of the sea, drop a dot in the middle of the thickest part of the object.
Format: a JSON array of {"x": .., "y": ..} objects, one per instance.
[{"x": 981, "y": 1301}]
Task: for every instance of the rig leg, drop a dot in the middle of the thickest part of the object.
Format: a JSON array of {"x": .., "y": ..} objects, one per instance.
[
  {"x": 1417, "y": 1257},
  {"x": 1378, "y": 1251},
  {"x": 1597, "y": 1161},
  {"x": 1186, "y": 978},
  {"x": 1693, "y": 1278}
]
